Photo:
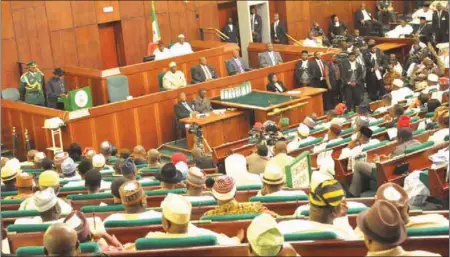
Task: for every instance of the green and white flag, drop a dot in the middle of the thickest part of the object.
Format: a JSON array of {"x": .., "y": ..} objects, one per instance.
[{"x": 155, "y": 25}]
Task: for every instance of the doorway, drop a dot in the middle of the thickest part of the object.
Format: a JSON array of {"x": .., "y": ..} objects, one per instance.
[{"x": 111, "y": 45}]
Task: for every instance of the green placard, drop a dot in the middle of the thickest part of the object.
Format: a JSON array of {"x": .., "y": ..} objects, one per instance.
[
  {"x": 77, "y": 99},
  {"x": 298, "y": 173}
]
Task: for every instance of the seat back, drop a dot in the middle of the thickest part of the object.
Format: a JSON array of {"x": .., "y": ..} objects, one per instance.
[
  {"x": 248, "y": 216},
  {"x": 269, "y": 199},
  {"x": 117, "y": 88},
  {"x": 132, "y": 223},
  {"x": 88, "y": 247},
  {"x": 163, "y": 243},
  {"x": 160, "y": 80},
  {"x": 319, "y": 235},
  {"x": 11, "y": 94}
]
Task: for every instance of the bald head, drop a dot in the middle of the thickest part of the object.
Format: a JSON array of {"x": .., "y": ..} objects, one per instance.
[
  {"x": 280, "y": 147},
  {"x": 61, "y": 240}
]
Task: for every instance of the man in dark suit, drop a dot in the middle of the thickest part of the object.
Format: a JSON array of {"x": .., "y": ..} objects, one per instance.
[
  {"x": 278, "y": 31},
  {"x": 183, "y": 109},
  {"x": 256, "y": 25},
  {"x": 333, "y": 80},
  {"x": 202, "y": 72},
  {"x": 352, "y": 81},
  {"x": 236, "y": 64},
  {"x": 56, "y": 87},
  {"x": 201, "y": 161},
  {"x": 366, "y": 23},
  {"x": 376, "y": 65},
  {"x": 424, "y": 31},
  {"x": 301, "y": 73},
  {"x": 232, "y": 31},
  {"x": 440, "y": 24},
  {"x": 317, "y": 71}
]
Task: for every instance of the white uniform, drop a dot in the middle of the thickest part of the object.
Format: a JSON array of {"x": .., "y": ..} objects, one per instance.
[
  {"x": 421, "y": 13},
  {"x": 134, "y": 216},
  {"x": 400, "y": 94},
  {"x": 310, "y": 42},
  {"x": 439, "y": 136},
  {"x": 28, "y": 204},
  {"x": 347, "y": 152},
  {"x": 162, "y": 55},
  {"x": 400, "y": 31},
  {"x": 174, "y": 80},
  {"x": 296, "y": 142},
  {"x": 181, "y": 49}
]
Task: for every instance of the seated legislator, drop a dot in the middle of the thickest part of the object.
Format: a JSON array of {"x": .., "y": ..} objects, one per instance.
[
  {"x": 24, "y": 185},
  {"x": 170, "y": 177},
  {"x": 393, "y": 60},
  {"x": 333, "y": 135},
  {"x": 257, "y": 161},
  {"x": 47, "y": 179},
  {"x": 30, "y": 157},
  {"x": 236, "y": 168},
  {"x": 154, "y": 159},
  {"x": 61, "y": 240},
  {"x": 301, "y": 137},
  {"x": 202, "y": 104},
  {"x": 236, "y": 64},
  {"x": 363, "y": 170},
  {"x": 365, "y": 22},
  {"x": 336, "y": 27},
  {"x": 389, "y": 77},
  {"x": 385, "y": 9},
  {"x": 181, "y": 47},
  {"x": 442, "y": 118},
  {"x": 201, "y": 160},
  {"x": 327, "y": 212},
  {"x": 162, "y": 52},
  {"x": 281, "y": 158},
  {"x": 203, "y": 72},
  {"x": 139, "y": 155},
  {"x": 176, "y": 216},
  {"x": 195, "y": 183},
  {"x": 265, "y": 239},
  {"x": 269, "y": 57},
  {"x": 69, "y": 170},
  {"x": 93, "y": 181},
  {"x": 274, "y": 84},
  {"x": 425, "y": 12},
  {"x": 423, "y": 31},
  {"x": 302, "y": 76},
  {"x": 384, "y": 231},
  {"x": 224, "y": 191},
  {"x": 55, "y": 88},
  {"x": 273, "y": 182},
  {"x": 135, "y": 201},
  {"x": 115, "y": 186},
  {"x": 47, "y": 205},
  {"x": 9, "y": 174},
  {"x": 183, "y": 109},
  {"x": 83, "y": 168},
  {"x": 400, "y": 31},
  {"x": 174, "y": 78},
  {"x": 311, "y": 41},
  {"x": 363, "y": 139}
]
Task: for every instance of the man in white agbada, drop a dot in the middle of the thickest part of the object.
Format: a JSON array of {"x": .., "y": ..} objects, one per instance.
[
  {"x": 363, "y": 140},
  {"x": 47, "y": 179},
  {"x": 69, "y": 170},
  {"x": 399, "y": 92},
  {"x": 310, "y": 41},
  {"x": 281, "y": 159},
  {"x": 176, "y": 216},
  {"x": 301, "y": 138},
  {"x": 425, "y": 11},
  {"x": 47, "y": 205},
  {"x": 99, "y": 163},
  {"x": 443, "y": 131},
  {"x": 161, "y": 52},
  {"x": 174, "y": 78},
  {"x": 236, "y": 167},
  {"x": 400, "y": 31},
  {"x": 443, "y": 53},
  {"x": 433, "y": 83},
  {"x": 273, "y": 182},
  {"x": 181, "y": 47}
]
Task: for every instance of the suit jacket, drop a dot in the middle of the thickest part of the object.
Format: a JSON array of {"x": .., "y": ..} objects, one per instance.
[
  {"x": 281, "y": 33},
  {"x": 346, "y": 73},
  {"x": 54, "y": 90},
  {"x": 317, "y": 79},
  {"x": 370, "y": 63},
  {"x": 232, "y": 34},
  {"x": 257, "y": 27},
  {"x": 271, "y": 87},
  {"x": 198, "y": 75},
  {"x": 333, "y": 79},
  {"x": 443, "y": 22},
  {"x": 181, "y": 111},
  {"x": 299, "y": 70},
  {"x": 204, "y": 163},
  {"x": 359, "y": 17},
  {"x": 337, "y": 30},
  {"x": 425, "y": 32},
  {"x": 202, "y": 105},
  {"x": 400, "y": 149},
  {"x": 265, "y": 61},
  {"x": 233, "y": 68}
]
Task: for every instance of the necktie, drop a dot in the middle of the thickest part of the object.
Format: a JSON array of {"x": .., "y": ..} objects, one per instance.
[
  {"x": 320, "y": 66},
  {"x": 207, "y": 73},
  {"x": 439, "y": 19},
  {"x": 275, "y": 28},
  {"x": 337, "y": 71},
  {"x": 187, "y": 107},
  {"x": 278, "y": 87},
  {"x": 272, "y": 58},
  {"x": 61, "y": 84},
  {"x": 239, "y": 64},
  {"x": 253, "y": 22}
]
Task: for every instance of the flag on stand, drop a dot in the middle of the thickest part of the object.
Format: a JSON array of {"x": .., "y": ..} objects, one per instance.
[{"x": 155, "y": 32}]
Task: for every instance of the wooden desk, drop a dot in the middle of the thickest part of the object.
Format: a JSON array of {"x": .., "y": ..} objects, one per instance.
[
  {"x": 315, "y": 94},
  {"x": 390, "y": 46},
  {"x": 219, "y": 128}
]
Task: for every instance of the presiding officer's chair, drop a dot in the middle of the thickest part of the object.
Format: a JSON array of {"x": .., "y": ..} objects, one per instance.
[
  {"x": 117, "y": 88},
  {"x": 11, "y": 94}
]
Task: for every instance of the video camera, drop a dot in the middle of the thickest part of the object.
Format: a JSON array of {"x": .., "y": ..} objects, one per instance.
[
  {"x": 267, "y": 135},
  {"x": 196, "y": 130}
]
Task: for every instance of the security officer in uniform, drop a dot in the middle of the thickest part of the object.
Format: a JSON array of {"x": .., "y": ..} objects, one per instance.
[{"x": 32, "y": 85}]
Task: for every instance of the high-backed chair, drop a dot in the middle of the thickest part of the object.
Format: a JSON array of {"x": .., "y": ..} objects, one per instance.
[
  {"x": 160, "y": 80},
  {"x": 11, "y": 94},
  {"x": 117, "y": 88}
]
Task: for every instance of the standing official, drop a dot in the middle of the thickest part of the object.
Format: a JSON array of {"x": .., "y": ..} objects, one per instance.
[
  {"x": 440, "y": 24},
  {"x": 55, "y": 88},
  {"x": 302, "y": 75},
  {"x": 32, "y": 85},
  {"x": 318, "y": 73},
  {"x": 376, "y": 65},
  {"x": 232, "y": 31},
  {"x": 352, "y": 81},
  {"x": 278, "y": 31},
  {"x": 256, "y": 25}
]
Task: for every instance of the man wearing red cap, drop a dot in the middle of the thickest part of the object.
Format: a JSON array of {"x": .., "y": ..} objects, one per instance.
[
  {"x": 161, "y": 52},
  {"x": 404, "y": 122}
]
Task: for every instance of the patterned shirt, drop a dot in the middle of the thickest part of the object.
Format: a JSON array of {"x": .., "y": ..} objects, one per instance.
[{"x": 234, "y": 207}]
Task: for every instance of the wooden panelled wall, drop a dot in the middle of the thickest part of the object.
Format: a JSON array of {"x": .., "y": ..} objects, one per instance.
[{"x": 65, "y": 33}]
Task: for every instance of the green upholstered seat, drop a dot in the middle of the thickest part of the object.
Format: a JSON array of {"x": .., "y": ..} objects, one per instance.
[
  {"x": 74, "y": 188},
  {"x": 165, "y": 192},
  {"x": 284, "y": 121},
  {"x": 149, "y": 170},
  {"x": 446, "y": 138},
  {"x": 117, "y": 88},
  {"x": 150, "y": 183},
  {"x": 112, "y": 160},
  {"x": 350, "y": 113},
  {"x": 170, "y": 45},
  {"x": 376, "y": 123},
  {"x": 419, "y": 131},
  {"x": 163, "y": 243},
  {"x": 379, "y": 130},
  {"x": 428, "y": 231},
  {"x": 141, "y": 165},
  {"x": 414, "y": 119},
  {"x": 132, "y": 223},
  {"x": 320, "y": 235},
  {"x": 432, "y": 90},
  {"x": 424, "y": 178},
  {"x": 11, "y": 201},
  {"x": 339, "y": 142},
  {"x": 370, "y": 147},
  {"x": 320, "y": 122},
  {"x": 16, "y": 214},
  {"x": 27, "y": 228},
  {"x": 88, "y": 247},
  {"x": 107, "y": 172},
  {"x": 11, "y": 94},
  {"x": 429, "y": 115},
  {"x": 349, "y": 211},
  {"x": 410, "y": 112},
  {"x": 9, "y": 193},
  {"x": 409, "y": 96},
  {"x": 347, "y": 131},
  {"x": 312, "y": 142},
  {"x": 160, "y": 80},
  {"x": 268, "y": 199},
  {"x": 106, "y": 208},
  {"x": 316, "y": 129},
  {"x": 248, "y": 187},
  {"x": 247, "y": 216},
  {"x": 369, "y": 193},
  {"x": 419, "y": 147},
  {"x": 114, "y": 177},
  {"x": 90, "y": 196},
  {"x": 204, "y": 203}
]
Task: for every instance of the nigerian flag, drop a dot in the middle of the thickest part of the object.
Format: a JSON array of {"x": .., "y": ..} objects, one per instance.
[{"x": 155, "y": 25}]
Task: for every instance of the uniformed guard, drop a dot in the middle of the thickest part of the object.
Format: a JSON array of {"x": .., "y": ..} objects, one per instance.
[{"x": 32, "y": 85}]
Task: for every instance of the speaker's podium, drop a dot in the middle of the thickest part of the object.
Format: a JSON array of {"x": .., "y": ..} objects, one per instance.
[{"x": 77, "y": 99}]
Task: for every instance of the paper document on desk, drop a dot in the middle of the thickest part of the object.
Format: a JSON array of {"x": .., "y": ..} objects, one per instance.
[
  {"x": 79, "y": 114},
  {"x": 294, "y": 92}
]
